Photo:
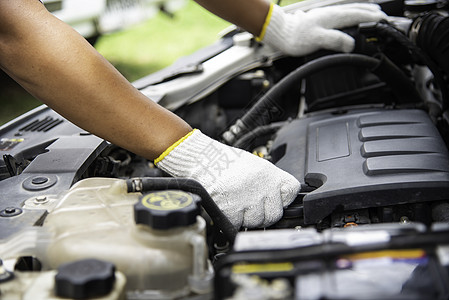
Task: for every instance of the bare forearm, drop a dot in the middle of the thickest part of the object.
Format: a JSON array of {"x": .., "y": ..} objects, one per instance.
[
  {"x": 248, "y": 14},
  {"x": 56, "y": 65}
]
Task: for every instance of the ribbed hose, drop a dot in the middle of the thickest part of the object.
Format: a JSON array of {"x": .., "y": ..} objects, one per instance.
[
  {"x": 387, "y": 71},
  {"x": 147, "y": 184},
  {"x": 433, "y": 38},
  {"x": 419, "y": 53}
]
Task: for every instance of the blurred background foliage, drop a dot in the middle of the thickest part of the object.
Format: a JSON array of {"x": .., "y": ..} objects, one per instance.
[
  {"x": 160, "y": 41},
  {"x": 136, "y": 52}
]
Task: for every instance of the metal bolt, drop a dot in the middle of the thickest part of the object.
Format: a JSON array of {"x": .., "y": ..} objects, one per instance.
[
  {"x": 40, "y": 200},
  {"x": 10, "y": 212}
]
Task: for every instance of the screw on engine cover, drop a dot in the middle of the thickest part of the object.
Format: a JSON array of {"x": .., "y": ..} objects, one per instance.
[
  {"x": 39, "y": 180},
  {"x": 10, "y": 212},
  {"x": 40, "y": 200},
  {"x": 404, "y": 220}
]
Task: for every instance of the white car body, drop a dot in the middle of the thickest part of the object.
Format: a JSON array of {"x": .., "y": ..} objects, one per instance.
[{"x": 91, "y": 18}]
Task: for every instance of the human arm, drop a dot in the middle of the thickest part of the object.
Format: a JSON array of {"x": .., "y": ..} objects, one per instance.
[
  {"x": 56, "y": 65},
  {"x": 299, "y": 33},
  {"x": 247, "y": 14}
]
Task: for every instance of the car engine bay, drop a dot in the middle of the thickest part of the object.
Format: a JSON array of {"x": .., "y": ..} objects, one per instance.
[{"x": 365, "y": 133}]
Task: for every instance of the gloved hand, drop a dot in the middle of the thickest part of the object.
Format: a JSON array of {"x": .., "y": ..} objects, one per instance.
[
  {"x": 249, "y": 190},
  {"x": 302, "y": 33}
]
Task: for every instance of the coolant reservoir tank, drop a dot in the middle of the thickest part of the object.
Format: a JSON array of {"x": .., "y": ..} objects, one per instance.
[{"x": 157, "y": 240}]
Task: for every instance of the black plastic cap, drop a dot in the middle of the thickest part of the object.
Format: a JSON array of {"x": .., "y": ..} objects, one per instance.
[
  {"x": 167, "y": 209},
  {"x": 85, "y": 279}
]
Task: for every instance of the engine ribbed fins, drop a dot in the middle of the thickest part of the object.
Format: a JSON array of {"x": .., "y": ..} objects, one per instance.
[
  {"x": 400, "y": 146},
  {"x": 415, "y": 163},
  {"x": 44, "y": 125},
  {"x": 386, "y": 118}
]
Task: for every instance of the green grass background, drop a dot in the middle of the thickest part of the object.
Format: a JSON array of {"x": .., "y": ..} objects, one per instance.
[
  {"x": 136, "y": 52},
  {"x": 160, "y": 41}
]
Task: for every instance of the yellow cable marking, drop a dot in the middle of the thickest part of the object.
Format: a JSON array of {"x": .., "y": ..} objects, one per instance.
[
  {"x": 404, "y": 254},
  {"x": 169, "y": 149},
  {"x": 265, "y": 24},
  {"x": 259, "y": 268},
  {"x": 373, "y": 39}
]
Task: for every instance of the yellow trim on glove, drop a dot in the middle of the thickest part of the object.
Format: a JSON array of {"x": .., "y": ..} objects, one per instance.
[
  {"x": 169, "y": 149},
  {"x": 265, "y": 25}
]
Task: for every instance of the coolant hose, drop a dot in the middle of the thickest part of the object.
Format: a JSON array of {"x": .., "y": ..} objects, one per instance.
[
  {"x": 387, "y": 71},
  {"x": 146, "y": 184}
]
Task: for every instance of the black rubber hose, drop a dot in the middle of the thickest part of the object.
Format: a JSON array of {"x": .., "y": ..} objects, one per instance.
[
  {"x": 383, "y": 68},
  {"x": 245, "y": 142},
  {"x": 147, "y": 184}
]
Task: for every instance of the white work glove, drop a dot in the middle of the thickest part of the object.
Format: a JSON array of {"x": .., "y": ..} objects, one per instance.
[
  {"x": 250, "y": 191},
  {"x": 302, "y": 33}
]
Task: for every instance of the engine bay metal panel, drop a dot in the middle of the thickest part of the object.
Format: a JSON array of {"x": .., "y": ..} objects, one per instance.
[{"x": 47, "y": 154}]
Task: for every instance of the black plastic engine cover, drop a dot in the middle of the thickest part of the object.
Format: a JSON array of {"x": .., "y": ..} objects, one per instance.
[{"x": 364, "y": 159}]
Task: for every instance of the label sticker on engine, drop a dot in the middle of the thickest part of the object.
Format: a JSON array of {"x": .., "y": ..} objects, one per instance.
[
  {"x": 167, "y": 200},
  {"x": 8, "y": 144}
]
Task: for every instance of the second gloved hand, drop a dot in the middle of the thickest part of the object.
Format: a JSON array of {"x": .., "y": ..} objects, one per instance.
[
  {"x": 250, "y": 191},
  {"x": 302, "y": 33}
]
